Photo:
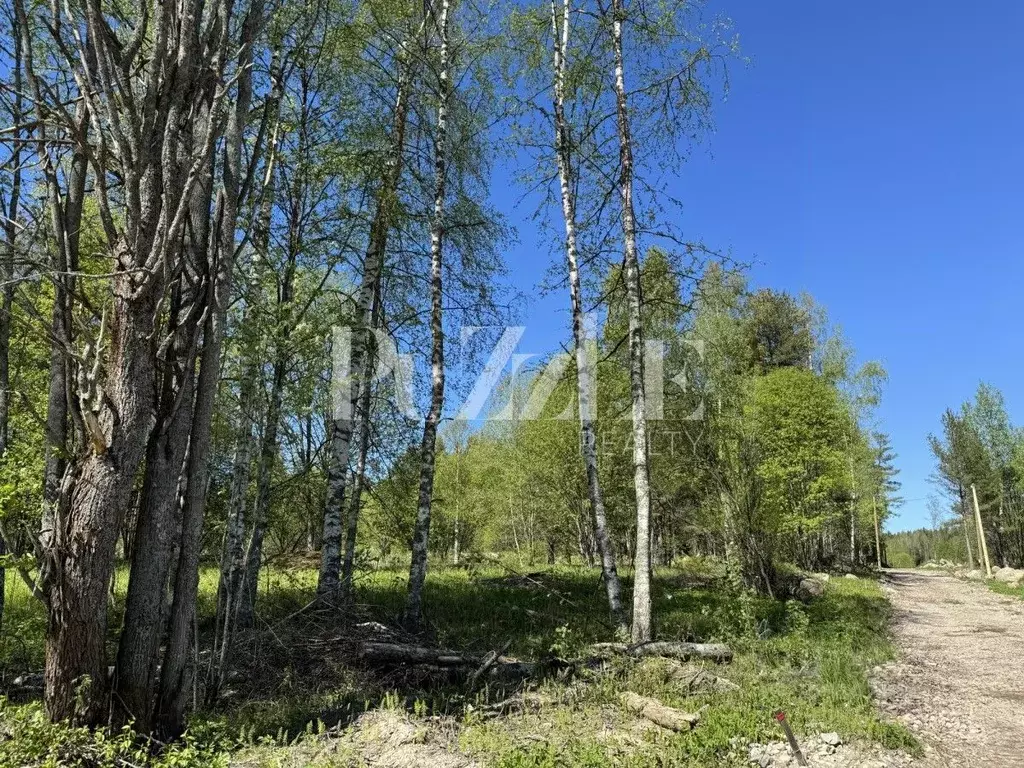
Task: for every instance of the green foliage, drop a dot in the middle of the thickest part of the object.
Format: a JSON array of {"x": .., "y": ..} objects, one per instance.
[
  {"x": 800, "y": 429},
  {"x": 778, "y": 331},
  {"x": 38, "y": 742},
  {"x": 901, "y": 560}
]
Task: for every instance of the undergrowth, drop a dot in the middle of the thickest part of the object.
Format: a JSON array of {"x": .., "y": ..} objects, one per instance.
[{"x": 295, "y": 679}]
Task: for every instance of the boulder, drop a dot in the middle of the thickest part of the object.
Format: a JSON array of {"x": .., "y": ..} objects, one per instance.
[
  {"x": 1010, "y": 576},
  {"x": 809, "y": 589},
  {"x": 976, "y": 575},
  {"x": 850, "y": 576}
]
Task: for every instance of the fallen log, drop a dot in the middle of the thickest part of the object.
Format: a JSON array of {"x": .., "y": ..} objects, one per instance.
[
  {"x": 694, "y": 678},
  {"x": 388, "y": 654},
  {"x": 658, "y": 713},
  {"x": 403, "y": 653},
  {"x": 716, "y": 652}
]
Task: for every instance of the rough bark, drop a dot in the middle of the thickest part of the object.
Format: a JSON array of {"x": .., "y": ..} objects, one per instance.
[
  {"x": 158, "y": 531},
  {"x": 641, "y": 629},
  {"x": 585, "y": 373},
  {"x": 178, "y": 673},
  {"x": 413, "y": 616}
]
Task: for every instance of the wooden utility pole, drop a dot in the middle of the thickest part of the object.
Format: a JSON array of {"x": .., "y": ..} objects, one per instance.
[
  {"x": 981, "y": 533},
  {"x": 878, "y": 537}
]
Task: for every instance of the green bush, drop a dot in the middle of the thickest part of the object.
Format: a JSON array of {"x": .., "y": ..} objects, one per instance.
[{"x": 32, "y": 740}]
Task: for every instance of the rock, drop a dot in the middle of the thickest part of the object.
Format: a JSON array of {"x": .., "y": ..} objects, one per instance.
[
  {"x": 831, "y": 739},
  {"x": 30, "y": 681},
  {"x": 1008, "y": 576},
  {"x": 822, "y": 577},
  {"x": 809, "y": 589},
  {"x": 975, "y": 575},
  {"x": 850, "y": 576}
]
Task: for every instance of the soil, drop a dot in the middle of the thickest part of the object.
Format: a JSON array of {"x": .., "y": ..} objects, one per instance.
[{"x": 959, "y": 681}]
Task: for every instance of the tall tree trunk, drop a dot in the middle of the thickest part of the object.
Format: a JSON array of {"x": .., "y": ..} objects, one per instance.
[
  {"x": 359, "y": 476},
  {"x": 585, "y": 348},
  {"x": 418, "y": 569},
  {"x": 85, "y": 539},
  {"x": 178, "y": 673},
  {"x": 341, "y": 426},
  {"x": 641, "y": 629},
  {"x": 10, "y": 230},
  {"x": 268, "y": 452},
  {"x": 158, "y": 531},
  {"x": 233, "y": 555},
  {"x": 261, "y": 509},
  {"x": 157, "y": 528}
]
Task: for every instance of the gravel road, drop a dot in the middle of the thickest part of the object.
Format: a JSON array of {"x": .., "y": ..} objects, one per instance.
[{"x": 959, "y": 684}]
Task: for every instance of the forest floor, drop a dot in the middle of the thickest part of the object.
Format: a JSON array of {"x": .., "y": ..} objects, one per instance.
[
  {"x": 299, "y": 695},
  {"x": 959, "y": 681},
  {"x": 813, "y": 661}
]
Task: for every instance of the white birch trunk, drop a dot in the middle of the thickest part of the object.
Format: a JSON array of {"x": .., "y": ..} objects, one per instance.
[
  {"x": 418, "y": 568},
  {"x": 585, "y": 374},
  {"x": 329, "y": 579},
  {"x": 641, "y": 629}
]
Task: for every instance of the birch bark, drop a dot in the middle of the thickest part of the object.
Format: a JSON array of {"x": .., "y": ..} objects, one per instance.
[
  {"x": 418, "y": 568},
  {"x": 641, "y": 628},
  {"x": 585, "y": 373}
]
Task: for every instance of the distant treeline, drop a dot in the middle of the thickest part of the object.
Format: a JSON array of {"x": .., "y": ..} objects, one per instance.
[{"x": 908, "y": 549}]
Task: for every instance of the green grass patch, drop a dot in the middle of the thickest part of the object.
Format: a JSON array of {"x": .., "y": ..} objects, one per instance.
[
  {"x": 810, "y": 660},
  {"x": 1005, "y": 589}
]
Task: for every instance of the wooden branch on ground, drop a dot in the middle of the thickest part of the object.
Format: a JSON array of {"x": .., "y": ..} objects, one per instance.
[
  {"x": 387, "y": 654},
  {"x": 658, "y": 713},
  {"x": 486, "y": 664},
  {"x": 716, "y": 652}
]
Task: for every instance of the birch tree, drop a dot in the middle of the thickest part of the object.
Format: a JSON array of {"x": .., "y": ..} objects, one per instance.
[
  {"x": 585, "y": 347},
  {"x": 413, "y": 616},
  {"x": 342, "y": 424}
]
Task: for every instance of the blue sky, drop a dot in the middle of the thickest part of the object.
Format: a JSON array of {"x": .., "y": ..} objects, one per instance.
[{"x": 871, "y": 154}]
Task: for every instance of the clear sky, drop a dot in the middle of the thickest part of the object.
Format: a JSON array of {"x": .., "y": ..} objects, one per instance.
[{"x": 871, "y": 154}]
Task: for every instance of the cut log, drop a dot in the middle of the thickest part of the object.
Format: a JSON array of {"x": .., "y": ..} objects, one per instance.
[
  {"x": 716, "y": 652},
  {"x": 658, "y": 713}
]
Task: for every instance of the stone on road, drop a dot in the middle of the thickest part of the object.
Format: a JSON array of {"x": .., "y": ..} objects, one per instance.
[{"x": 959, "y": 681}]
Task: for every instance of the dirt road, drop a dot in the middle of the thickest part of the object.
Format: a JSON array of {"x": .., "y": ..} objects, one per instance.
[{"x": 959, "y": 684}]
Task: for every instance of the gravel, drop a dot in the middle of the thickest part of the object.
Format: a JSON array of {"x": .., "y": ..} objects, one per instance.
[{"x": 959, "y": 682}]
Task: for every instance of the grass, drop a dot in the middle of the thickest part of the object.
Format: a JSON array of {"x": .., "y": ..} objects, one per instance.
[
  {"x": 811, "y": 661},
  {"x": 1006, "y": 589}
]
